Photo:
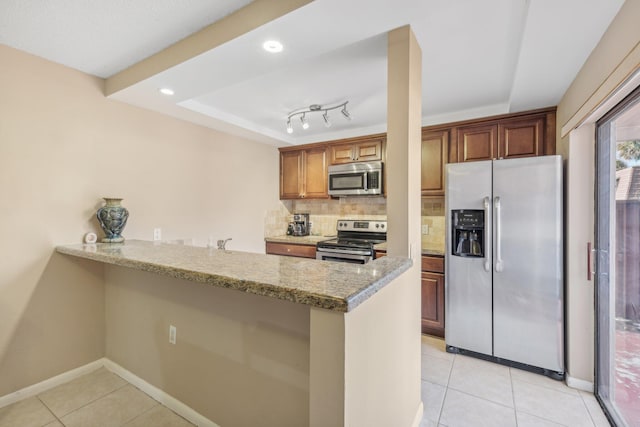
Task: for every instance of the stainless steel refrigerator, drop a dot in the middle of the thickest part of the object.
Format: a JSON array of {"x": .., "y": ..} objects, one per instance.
[{"x": 504, "y": 262}]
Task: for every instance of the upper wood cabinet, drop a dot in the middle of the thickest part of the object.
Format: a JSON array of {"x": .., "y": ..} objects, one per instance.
[
  {"x": 434, "y": 156},
  {"x": 477, "y": 142},
  {"x": 505, "y": 140},
  {"x": 303, "y": 173},
  {"x": 366, "y": 149},
  {"x": 521, "y": 138},
  {"x": 527, "y": 134}
]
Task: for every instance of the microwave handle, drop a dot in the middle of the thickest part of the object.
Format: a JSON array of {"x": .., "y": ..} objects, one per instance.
[{"x": 366, "y": 181}]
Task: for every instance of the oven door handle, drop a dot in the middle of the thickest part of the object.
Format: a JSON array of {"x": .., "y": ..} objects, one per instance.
[{"x": 344, "y": 251}]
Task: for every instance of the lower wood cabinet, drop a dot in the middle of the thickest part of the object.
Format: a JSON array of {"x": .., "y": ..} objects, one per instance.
[
  {"x": 290, "y": 249},
  {"x": 432, "y": 291}
]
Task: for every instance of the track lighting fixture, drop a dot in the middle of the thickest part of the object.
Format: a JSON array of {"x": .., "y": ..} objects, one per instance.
[{"x": 316, "y": 108}]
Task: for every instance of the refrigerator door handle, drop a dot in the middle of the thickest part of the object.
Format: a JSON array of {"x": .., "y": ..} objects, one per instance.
[
  {"x": 590, "y": 263},
  {"x": 487, "y": 233},
  {"x": 499, "y": 264}
]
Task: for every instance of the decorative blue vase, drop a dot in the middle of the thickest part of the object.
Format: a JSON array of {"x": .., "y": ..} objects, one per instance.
[{"x": 112, "y": 218}]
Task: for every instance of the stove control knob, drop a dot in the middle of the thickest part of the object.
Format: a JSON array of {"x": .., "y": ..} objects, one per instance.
[
  {"x": 377, "y": 225},
  {"x": 382, "y": 225}
]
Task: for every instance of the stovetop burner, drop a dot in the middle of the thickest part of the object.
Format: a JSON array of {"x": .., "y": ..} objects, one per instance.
[
  {"x": 350, "y": 242},
  {"x": 361, "y": 234}
]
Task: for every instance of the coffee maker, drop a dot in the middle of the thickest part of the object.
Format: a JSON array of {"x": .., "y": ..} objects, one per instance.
[{"x": 300, "y": 225}]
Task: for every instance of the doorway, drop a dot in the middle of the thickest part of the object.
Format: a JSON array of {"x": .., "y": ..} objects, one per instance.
[{"x": 617, "y": 262}]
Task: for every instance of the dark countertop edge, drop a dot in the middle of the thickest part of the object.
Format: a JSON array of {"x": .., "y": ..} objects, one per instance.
[{"x": 287, "y": 294}]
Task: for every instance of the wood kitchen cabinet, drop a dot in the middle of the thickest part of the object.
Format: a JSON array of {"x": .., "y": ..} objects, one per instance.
[
  {"x": 477, "y": 142},
  {"x": 303, "y": 173},
  {"x": 290, "y": 249},
  {"x": 503, "y": 140},
  {"x": 434, "y": 157},
  {"x": 525, "y": 134},
  {"x": 432, "y": 295},
  {"x": 363, "y": 149}
]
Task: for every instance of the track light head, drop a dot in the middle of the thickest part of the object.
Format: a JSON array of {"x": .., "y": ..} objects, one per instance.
[
  {"x": 289, "y": 127},
  {"x": 345, "y": 113},
  {"x": 325, "y": 117},
  {"x": 305, "y": 123}
]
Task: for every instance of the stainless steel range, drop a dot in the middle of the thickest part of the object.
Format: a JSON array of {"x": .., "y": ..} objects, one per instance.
[{"x": 354, "y": 243}]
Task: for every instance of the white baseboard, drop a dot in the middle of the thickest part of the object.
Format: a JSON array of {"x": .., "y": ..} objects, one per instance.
[
  {"x": 47, "y": 384},
  {"x": 579, "y": 384},
  {"x": 418, "y": 418},
  {"x": 169, "y": 401}
]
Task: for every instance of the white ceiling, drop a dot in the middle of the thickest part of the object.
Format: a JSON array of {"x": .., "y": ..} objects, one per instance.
[{"x": 479, "y": 58}]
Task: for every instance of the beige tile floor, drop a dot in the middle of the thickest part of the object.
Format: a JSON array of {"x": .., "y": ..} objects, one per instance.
[
  {"x": 457, "y": 391},
  {"x": 100, "y": 398},
  {"x": 460, "y": 391}
]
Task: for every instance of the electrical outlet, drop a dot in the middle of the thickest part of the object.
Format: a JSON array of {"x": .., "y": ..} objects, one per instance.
[
  {"x": 172, "y": 334},
  {"x": 425, "y": 229},
  {"x": 157, "y": 234}
]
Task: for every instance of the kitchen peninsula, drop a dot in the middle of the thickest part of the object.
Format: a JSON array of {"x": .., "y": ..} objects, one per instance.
[{"x": 304, "y": 342}]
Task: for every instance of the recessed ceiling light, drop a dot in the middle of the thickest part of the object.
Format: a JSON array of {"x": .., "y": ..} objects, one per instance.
[
  {"x": 166, "y": 91},
  {"x": 272, "y": 46}
]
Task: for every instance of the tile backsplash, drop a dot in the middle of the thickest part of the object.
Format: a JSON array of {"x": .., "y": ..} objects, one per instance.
[
  {"x": 324, "y": 214},
  {"x": 433, "y": 218}
]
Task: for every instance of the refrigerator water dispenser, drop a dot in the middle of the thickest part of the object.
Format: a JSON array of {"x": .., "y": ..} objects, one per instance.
[{"x": 467, "y": 233}]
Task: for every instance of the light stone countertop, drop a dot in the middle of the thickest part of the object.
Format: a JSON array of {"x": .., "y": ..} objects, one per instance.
[{"x": 330, "y": 285}]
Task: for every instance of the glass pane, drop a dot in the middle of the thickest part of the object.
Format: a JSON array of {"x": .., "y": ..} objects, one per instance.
[
  {"x": 618, "y": 263},
  {"x": 626, "y": 348}
]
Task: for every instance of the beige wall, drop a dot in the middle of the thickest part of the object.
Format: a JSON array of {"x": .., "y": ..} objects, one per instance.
[
  {"x": 373, "y": 378},
  {"x": 383, "y": 358},
  {"x": 63, "y": 146},
  {"x": 615, "y": 58},
  {"x": 239, "y": 359},
  {"x": 579, "y": 230}
]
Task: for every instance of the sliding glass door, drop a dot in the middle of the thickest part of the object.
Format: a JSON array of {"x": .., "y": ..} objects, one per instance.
[{"x": 617, "y": 262}]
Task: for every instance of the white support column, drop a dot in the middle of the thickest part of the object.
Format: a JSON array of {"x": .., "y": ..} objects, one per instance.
[{"x": 404, "y": 111}]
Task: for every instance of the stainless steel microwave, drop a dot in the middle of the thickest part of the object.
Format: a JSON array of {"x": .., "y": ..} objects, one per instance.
[{"x": 355, "y": 179}]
